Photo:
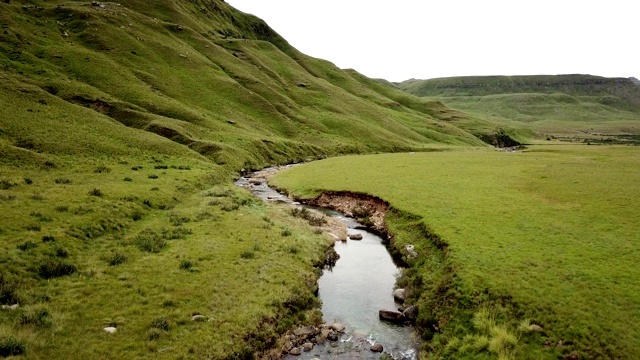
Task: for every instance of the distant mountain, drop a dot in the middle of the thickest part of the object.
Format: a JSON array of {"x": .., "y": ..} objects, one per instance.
[{"x": 566, "y": 105}]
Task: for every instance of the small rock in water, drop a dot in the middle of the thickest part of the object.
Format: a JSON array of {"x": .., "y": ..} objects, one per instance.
[
  {"x": 377, "y": 347},
  {"x": 307, "y": 346},
  {"x": 393, "y": 316},
  {"x": 110, "y": 329},
  {"x": 355, "y": 236},
  {"x": 338, "y": 327},
  {"x": 295, "y": 351}
]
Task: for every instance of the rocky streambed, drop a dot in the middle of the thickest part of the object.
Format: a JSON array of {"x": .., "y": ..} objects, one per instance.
[{"x": 364, "y": 314}]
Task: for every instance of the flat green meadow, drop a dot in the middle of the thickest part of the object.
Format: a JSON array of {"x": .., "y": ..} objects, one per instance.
[{"x": 541, "y": 243}]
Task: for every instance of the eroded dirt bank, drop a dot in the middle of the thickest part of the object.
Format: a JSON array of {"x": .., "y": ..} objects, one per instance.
[{"x": 369, "y": 210}]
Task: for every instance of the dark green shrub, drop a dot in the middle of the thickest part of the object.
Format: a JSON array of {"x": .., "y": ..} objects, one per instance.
[
  {"x": 136, "y": 168},
  {"x": 28, "y": 181},
  {"x": 154, "y": 334},
  {"x": 55, "y": 268},
  {"x": 116, "y": 259},
  {"x": 11, "y": 346},
  {"x": 177, "y": 220},
  {"x": 62, "y": 181},
  {"x": 155, "y": 188},
  {"x": 176, "y": 233},
  {"x": 37, "y": 197},
  {"x": 33, "y": 227},
  {"x": 146, "y": 203},
  {"x": 160, "y": 324},
  {"x": 49, "y": 165},
  {"x": 152, "y": 176},
  {"x": 62, "y": 208},
  {"x": 292, "y": 249},
  {"x": 128, "y": 179},
  {"x": 48, "y": 238},
  {"x": 186, "y": 265},
  {"x": 27, "y": 245},
  {"x": 286, "y": 232},
  {"x": 95, "y": 192},
  {"x": 161, "y": 167},
  {"x": 62, "y": 252},
  {"x": 137, "y": 216}
]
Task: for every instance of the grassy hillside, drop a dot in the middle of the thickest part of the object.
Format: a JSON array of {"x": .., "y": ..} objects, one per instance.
[
  {"x": 121, "y": 126},
  {"x": 584, "y": 107},
  {"x": 527, "y": 255}
]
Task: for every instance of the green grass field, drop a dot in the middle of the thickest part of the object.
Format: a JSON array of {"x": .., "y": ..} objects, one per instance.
[
  {"x": 547, "y": 236},
  {"x": 143, "y": 245}
]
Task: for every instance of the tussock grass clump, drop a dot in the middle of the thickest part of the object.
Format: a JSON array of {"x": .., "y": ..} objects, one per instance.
[
  {"x": 11, "y": 346},
  {"x": 150, "y": 241},
  {"x": 160, "y": 323},
  {"x": 37, "y": 316},
  {"x": 152, "y": 176},
  {"x": 27, "y": 245},
  {"x": 102, "y": 169},
  {"x": 96, "y": 192},
  {"x": 186, "y": 265},
  {"x": 55, "y": 268},
  {"x": 6, "y": 184},
  {"x": 247, "y": 254},
  {"x": 8, "y": 291},
  {"x": 313, "y": 219},
  {"x": 62, "y": 181},
  {"x": 127, "y": 179},
  {"x": 61, "y": 208},
  {"x": 286, "y": 232},
  {"x": 33, "y": 227},
  {"x": 116, "y": 259},
  {"x": 48, "y": 238},
  {"x": 28, "y": 181},
  {"x": 37, "y": 197}
]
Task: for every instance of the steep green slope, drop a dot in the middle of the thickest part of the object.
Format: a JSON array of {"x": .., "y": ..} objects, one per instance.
[
  {"x": 580, "y": 106},
  {"x": 201, "y": 74}
]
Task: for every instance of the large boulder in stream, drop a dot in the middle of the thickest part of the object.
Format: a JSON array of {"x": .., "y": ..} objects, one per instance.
[
  {"x": 355, "y": 236},
  {"x": 392, "y": 316}
]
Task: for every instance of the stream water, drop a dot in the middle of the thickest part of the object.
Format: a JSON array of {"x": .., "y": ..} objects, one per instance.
[{"x": 359, "y": 285}]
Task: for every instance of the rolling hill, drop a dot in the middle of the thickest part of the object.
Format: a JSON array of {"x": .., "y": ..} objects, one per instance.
[{"x": 582, "y": 107}]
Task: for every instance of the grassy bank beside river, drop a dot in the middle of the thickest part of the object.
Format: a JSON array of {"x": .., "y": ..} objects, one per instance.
[{"x": 537, "y": 250}]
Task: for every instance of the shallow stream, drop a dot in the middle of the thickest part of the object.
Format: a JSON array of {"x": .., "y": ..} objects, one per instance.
[{"x": 359, "y": 285}]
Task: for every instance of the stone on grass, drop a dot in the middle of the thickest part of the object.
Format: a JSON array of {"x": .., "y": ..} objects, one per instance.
[
  {"x": 110, "y": 329},
  {"x": 377, "y": 347},
  {"x": 198, "y": 317},
  {"x": 399, "y": 295}
]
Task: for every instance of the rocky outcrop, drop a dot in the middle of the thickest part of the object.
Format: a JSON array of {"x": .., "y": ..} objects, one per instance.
[{"x": 392, "y": 316}]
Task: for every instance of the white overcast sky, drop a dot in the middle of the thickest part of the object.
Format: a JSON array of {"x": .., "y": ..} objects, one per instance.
[{"x": 403, "y": 39}]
